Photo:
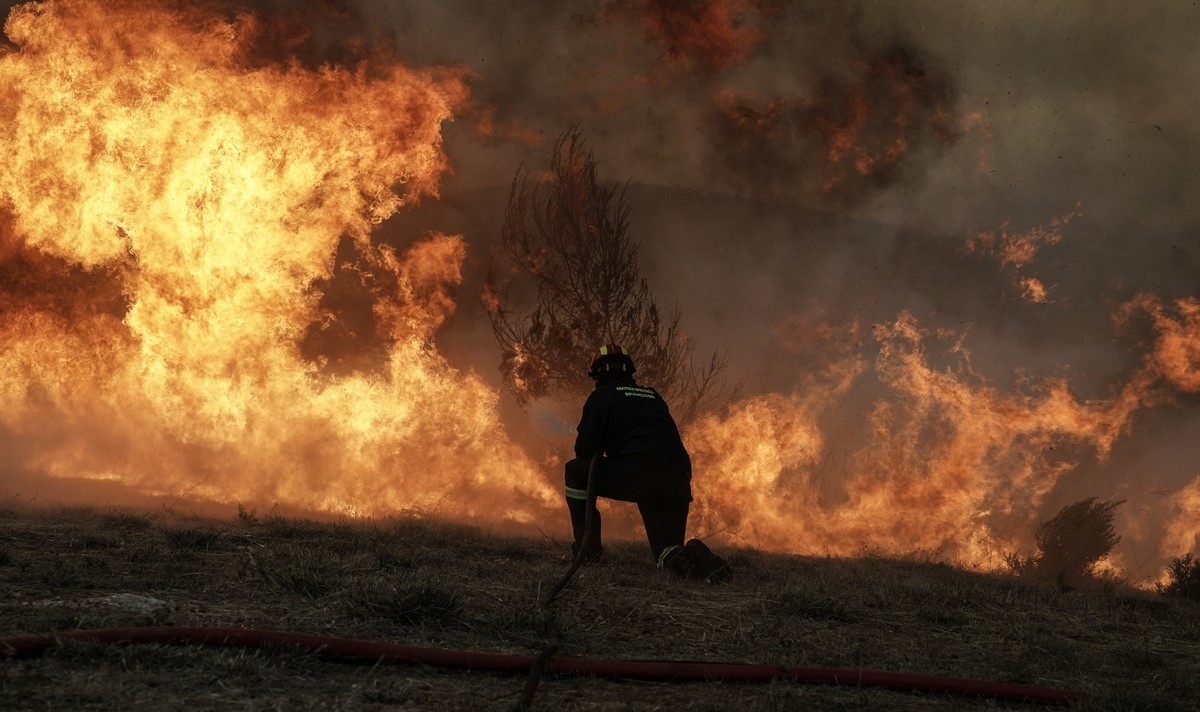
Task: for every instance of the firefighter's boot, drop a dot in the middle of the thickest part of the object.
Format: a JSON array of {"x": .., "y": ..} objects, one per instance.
[
  {"x": 695, "y": 560},
  {"x": 594, "y": 551}
]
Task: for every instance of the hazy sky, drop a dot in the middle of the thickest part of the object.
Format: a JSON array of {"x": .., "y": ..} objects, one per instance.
[{"x": 1076, "y": 102}]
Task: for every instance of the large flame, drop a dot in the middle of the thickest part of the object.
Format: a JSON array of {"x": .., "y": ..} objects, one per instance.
[
  {"x": 143, "y": 146},
  {"x": 176, "y": 210},
  {"x": 951, "y": 467}
]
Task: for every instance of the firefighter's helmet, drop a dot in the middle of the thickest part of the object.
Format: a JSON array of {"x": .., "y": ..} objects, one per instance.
[{"x": 611, "y": 358}]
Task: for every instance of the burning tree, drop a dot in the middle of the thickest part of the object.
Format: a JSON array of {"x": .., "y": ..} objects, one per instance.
[
  {"x": 568, "y": 234},
  {"x": 1071, "y": 543}
]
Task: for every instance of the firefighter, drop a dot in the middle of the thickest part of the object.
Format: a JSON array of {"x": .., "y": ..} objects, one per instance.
[{"x": 643, "y": 461}]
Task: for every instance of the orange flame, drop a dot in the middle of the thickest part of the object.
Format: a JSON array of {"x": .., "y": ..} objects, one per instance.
[
  {"x": 708, "y": 35},
  {"x": 1033, "y": 290},
  {"x": 949, "y": 466},
  {"x": 869, "y": 125},
  {"x": 1182, "y": 534},
  {"x": 1017, "y": 251},
  {"x": 1175, "y": 354},
  {"x": 143, "y": 144},
  {"x": 171, "y": 207},
  {"x": 859, "y": 126}
]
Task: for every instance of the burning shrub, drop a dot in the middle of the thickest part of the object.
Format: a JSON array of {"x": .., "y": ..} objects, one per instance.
[
  {"x": 1071, "y": 543},
  {"x": 568, "y": 234},
  {"x": 1184, "y": 575}
]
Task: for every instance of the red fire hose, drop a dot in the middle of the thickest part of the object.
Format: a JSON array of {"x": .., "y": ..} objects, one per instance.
[{"x": 365, "y": 651}]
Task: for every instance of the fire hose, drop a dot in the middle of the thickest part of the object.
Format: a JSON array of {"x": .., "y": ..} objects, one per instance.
[
  {"x": 553, "y": 628},
  {"x": 374, "y": 652}
]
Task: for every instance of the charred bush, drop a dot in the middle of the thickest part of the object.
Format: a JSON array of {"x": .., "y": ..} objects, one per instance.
[
  {"x": 1070, "y": 544},
  {"x": 1183, "y": 578}
]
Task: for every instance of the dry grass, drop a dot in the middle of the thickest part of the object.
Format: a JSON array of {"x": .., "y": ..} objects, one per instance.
[{"x": 428, "y": 583}]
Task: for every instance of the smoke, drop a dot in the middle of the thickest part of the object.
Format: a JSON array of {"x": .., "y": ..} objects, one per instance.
[
  {"x": 815, "y": 185},
  {"x": 1061, "y": 129}
]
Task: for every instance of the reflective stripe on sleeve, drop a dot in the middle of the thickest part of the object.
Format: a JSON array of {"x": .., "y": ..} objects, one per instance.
[{"x": 573, "y": 493}]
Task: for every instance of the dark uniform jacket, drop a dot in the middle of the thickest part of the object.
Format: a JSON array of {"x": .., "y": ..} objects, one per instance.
[{"x": 630, "y": 422}]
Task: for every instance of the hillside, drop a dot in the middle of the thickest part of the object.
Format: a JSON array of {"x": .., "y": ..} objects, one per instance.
[{"x": 451, "y": 586}]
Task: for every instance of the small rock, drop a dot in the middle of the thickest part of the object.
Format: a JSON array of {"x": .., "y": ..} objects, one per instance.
[{"x": 129, "y": 602}]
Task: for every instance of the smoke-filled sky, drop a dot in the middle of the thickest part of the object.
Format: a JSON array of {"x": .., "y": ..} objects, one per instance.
[
  {"x": 1017, "y": 114},
  {"x": 1026, "y": 113},
  {"x": 893, "y": 218},
  {"x": 1056, "y": 103}
]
